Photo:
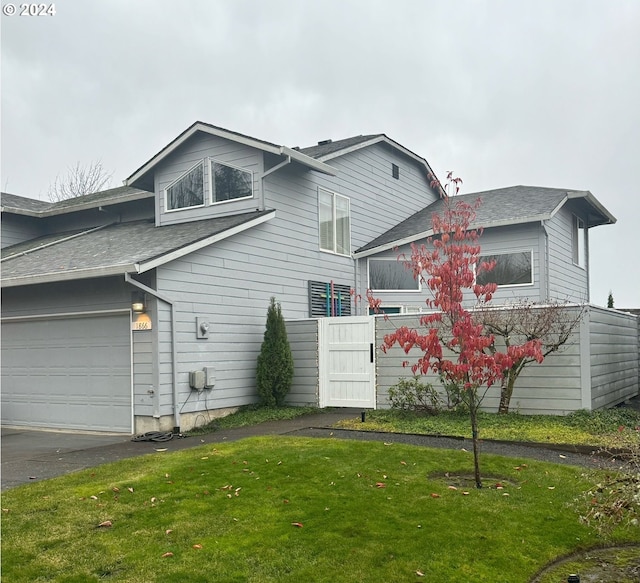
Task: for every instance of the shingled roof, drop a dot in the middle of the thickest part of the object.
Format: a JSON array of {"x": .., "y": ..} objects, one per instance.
[
  {"x": 113, "y": 249},
  {"x": 20, "y": 205},
  {"x": 504, "y": 206}
]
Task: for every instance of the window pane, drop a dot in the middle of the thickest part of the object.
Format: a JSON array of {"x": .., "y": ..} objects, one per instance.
[
  {"x": 230, "y": 183},
  {"x": 187, "y": 191},
  {"x": 343, "y": 244},
  {"x": 326, "y": 221},
  {"x": 510, "y": 269},
  {"x": 391, "y": 275}
]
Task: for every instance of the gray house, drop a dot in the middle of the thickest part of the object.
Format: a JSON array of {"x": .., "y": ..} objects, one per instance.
[
  {"x": 143, "y": 307},
  {"x": 111, "y": 300}
]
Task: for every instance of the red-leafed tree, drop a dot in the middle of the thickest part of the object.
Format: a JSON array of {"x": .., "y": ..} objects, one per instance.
[{"x": 454, "y": 344}]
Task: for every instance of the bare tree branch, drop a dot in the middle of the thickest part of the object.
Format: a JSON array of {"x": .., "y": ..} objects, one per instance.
[{"x": 78, "y": 181}]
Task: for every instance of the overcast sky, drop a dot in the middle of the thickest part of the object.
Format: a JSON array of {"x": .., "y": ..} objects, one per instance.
[{"x": 543, "y": 92}]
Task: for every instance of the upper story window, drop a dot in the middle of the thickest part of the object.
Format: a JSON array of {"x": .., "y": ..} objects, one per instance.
[
  {"x": 391, "y": 275},
  {"x": 395, "y": 171},
  {"x": 335, "y": 227},
  {"x": 188, "y": 190},
  {"x": 510, "y": 269},
  {"x": 579, "y": 242},
  {"x": 229, "y": 182}
]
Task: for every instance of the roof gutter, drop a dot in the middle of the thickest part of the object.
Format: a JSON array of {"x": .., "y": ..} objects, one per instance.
[{"x": 174, "y": 358}]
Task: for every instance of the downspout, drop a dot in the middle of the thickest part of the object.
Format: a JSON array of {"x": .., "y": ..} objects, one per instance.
[
  {"x": 174, "y": 360},
  {"x": 546, "y": 261}
]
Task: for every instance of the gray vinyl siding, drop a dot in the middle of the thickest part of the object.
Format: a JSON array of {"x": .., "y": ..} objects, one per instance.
[
  {"x": 567, "y": 281},
  {"x": 303, "y": 339},
  {"x": 231, "y": 283},
  {"x": 378, "y": 201},
  {"x": 186, "y": 156},
  {"x": 493, "y": 241},
  {"x": 18, "y": 228},
  {"x": 614, "y": 356}
]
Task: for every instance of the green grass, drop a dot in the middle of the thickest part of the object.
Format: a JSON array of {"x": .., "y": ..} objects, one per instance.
[
  {"x": 597, "y": 428},
  {"x": 254, "y": 414},
  {"x": 368, "y": 512}
]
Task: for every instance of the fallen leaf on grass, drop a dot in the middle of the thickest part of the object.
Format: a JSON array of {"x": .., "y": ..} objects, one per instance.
[
  {"x": 168, "y": 531},
  {"x": 197, "y": 546},
  {"x": 403, "y": 463},
  {"x": 419, "y": 573},
  {"x": 116, "y": 489},
  {"x": 130, "y": 490},
  {"x": 297, "y": 524},
  {"x": 434, "y": 495},
  {"x": 169, "y": 554},
  {"x": 161, "y": 449},
  {"x": 94, "y": 497},
  {"x": 380, "y": 485},
  {"x": 465, "y": 493},
  {"x": 105, "y": 524},
  {"x": 552, "y": 487},
  {"x": 564, "y": 457},
  {"x": 452, "y": 488}
]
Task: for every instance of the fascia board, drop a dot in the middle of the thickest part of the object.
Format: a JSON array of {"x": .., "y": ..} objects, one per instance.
[
  {"x": 558, "y": 207},
  {"x": 69, "y": 275},
  {"x": 144, "y": 266}
]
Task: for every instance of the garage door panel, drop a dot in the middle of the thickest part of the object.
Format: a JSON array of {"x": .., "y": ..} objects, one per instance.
[{"x": 68, "y": 373}]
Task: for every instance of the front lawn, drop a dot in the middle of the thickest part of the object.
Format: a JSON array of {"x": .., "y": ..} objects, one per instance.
[
  {"x": 295, "y": 509},
  {"x": 596, "y": 428}
]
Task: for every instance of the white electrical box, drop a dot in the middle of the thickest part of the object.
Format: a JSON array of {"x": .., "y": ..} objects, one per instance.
[{"x": 197, "y": 379}]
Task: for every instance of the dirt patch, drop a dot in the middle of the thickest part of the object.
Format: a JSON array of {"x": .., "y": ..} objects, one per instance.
[
  {"x": 468, "y": 481},
  {"x": 616, "y": 564}
]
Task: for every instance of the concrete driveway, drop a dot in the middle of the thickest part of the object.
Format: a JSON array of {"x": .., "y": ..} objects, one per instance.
[{"x": 29, "y": 456}]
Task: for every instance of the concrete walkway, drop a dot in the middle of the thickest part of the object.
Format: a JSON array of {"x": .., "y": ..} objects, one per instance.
[{"x": 30, "y": 456}]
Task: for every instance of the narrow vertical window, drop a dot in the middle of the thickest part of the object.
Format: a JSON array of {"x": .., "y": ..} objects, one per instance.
[
  {"x": 335, "y": 222},
  {"x": 579, "y": 242},
  {"x": 395, "y": 171}
]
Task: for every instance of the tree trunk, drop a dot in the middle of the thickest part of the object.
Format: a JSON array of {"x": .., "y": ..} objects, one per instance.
[
  {"x": 473, "y": 411},
  {"x": 506, "y": 390}
]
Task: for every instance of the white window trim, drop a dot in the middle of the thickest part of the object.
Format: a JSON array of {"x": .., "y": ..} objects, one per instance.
[
  {"x": 215, "y": 203},
  {"x": 512, "y": 252},
  {"x": 185, "y": 208},
  {"x": 575, "y": 224},
  {"x": 390, "y": 291},
  {"x": 334, "y": 222}
]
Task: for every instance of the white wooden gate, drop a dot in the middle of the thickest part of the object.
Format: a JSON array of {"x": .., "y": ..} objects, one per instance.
[{"x": 346, "y": 362}]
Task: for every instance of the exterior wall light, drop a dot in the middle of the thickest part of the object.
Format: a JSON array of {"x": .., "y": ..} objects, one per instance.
[{"x": 137, "y": 302}]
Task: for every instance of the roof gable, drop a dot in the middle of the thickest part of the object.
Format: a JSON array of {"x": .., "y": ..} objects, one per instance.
[
  {"x": 500, "y": 207},
  {"x": 143, "y": 176}
]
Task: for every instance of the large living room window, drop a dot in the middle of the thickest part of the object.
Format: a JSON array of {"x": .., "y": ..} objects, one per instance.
[
  {"x": 335, "y": 229},
  {"x": 510, "y": 269},
  {"x": 188, "y": 190},
  {"x": 391, "y": 275},
  {"x": 229, "y": 182}
]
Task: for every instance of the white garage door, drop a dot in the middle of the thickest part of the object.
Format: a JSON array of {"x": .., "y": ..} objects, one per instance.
[{"x": 68, "y": 373}]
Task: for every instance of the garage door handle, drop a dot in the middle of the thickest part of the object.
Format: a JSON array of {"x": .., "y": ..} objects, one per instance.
[{"x": 371, "y": 352}]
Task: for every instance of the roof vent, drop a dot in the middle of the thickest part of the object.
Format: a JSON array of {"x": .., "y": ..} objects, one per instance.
[
  {"x": 296, "y": 148},
  {"x": 324, "y": 142}
]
